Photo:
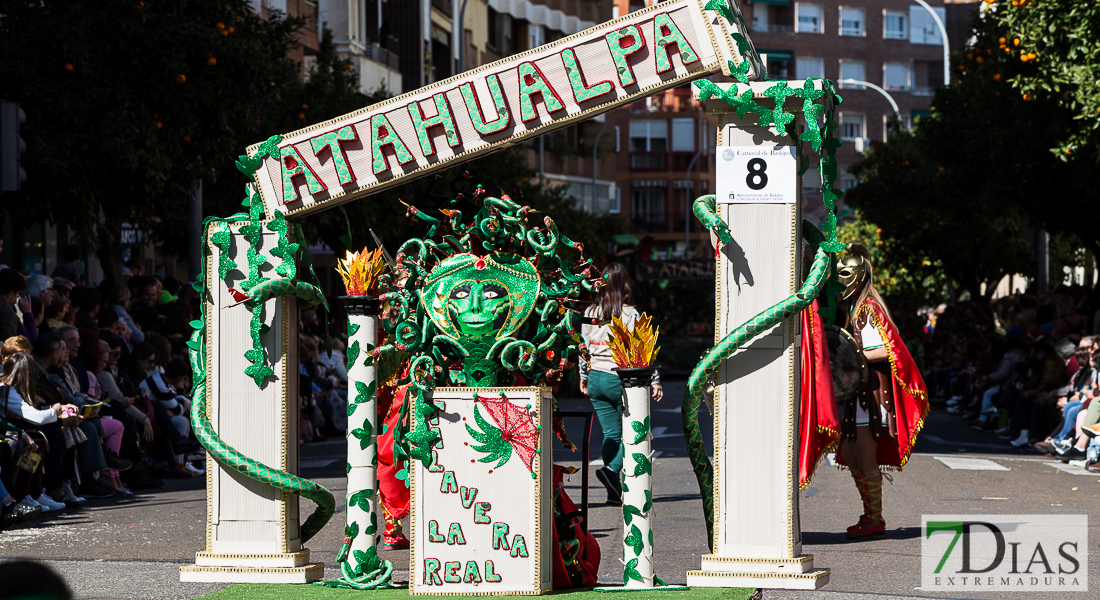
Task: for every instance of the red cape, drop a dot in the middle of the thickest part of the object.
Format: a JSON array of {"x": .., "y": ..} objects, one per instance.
[
  {"x": 819, "y": 425},
  {"x": 910, "y": 393},
  {"x": 391, "y": 490}
]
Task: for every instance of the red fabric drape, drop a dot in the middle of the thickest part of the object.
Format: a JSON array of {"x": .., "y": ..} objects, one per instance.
[
  {"x": 391, "y": 490},
  {"x": 582, "y": 551},
  {"x": 819, "y": 426},
  {"x": 910, "y": 393}
]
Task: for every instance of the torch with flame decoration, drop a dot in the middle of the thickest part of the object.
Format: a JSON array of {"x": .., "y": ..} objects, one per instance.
[
  {"x": 361, "y": 567},
  {"x": 634, "y": 349}
]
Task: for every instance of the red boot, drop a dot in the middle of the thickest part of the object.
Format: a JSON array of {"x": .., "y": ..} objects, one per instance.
[
  {"x": 393, "y": 538},
  {"x": 861, "y": 485},
  {"x": 873, "y": 526}
]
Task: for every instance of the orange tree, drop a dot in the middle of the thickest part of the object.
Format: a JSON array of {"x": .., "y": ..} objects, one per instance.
[
  {"x": 129, "y": 101},
  {"x": 995, "y": 160}
]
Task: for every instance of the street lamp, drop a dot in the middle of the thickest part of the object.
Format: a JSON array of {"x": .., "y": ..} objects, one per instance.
[
  {"x": 889, "y": 98},
  {"x": 946, "y": 46}
]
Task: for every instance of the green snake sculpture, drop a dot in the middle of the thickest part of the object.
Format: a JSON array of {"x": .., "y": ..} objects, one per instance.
[
  {"x": 225, "y": 454},
  {"x": 704, "y": 208}
]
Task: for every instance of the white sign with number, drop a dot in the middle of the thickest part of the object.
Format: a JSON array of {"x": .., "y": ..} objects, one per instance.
[{"x": 764, "y": 174}]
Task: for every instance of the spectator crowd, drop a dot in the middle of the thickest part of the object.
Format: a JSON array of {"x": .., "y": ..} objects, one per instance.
[
  {"x": 1025, "y": 368},
  {"x": 94, "y": 388}
]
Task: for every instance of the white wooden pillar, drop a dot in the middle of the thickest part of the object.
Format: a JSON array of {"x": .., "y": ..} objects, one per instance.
[
  {"x": 252, "y": 528},
  {"x": 757, "y": 538}
]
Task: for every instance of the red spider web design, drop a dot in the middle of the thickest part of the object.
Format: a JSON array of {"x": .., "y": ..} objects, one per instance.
[{"x": 516, "y": 426}]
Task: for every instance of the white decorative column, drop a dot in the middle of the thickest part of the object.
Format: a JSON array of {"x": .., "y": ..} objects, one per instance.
[
  {"x": 362, "y": 435},
  {"x": 637, "y": 479},
  {"x": 252, "y": 530},
  {"x": 757, "y": 538}
]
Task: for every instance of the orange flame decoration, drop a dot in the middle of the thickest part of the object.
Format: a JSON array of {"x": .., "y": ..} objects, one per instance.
[
  {"x": 637, "y": 348},
  {"x": 360, "y": 271}
]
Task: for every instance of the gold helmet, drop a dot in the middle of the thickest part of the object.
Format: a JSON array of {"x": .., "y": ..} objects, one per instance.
[{"x": 854, "y": 269}]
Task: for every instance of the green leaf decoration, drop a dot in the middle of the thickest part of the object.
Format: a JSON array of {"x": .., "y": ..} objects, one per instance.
[
  {"x": 629, "y": 512},
  {"x": 364, "y": 391},
  {"x": 351, "y": 408},
  {"x": 353, "y": 328},
  {"x": 367, "y": 560},
  {"x": 353, "y": 354},
  {"x": 351, "y": 530},
  {"x": 634, "y": 540},
  {"x": 363, "y": 435},
  {"x": 630, "y": 571},
  {"x": 264, "y": 329},
  {"x": 648, "y": 502},
  {"x": 644, "y": 466},
  {"x": 196, "y": 324},
  {"x": 373, "y": 527},
  {"x": 259, "y": 373},
  {"x": 491, "y": 439},
  {"x": 623, "y": 484},
  {"x": 641, "y": 429},
  {"x": 361, "y": 499}
]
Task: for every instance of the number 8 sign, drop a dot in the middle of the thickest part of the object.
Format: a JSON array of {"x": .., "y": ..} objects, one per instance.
[{"x": 757, "y": 175}]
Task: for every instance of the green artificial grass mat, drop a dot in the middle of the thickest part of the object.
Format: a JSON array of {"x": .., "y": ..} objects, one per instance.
[{"x": 263, "y": 591}]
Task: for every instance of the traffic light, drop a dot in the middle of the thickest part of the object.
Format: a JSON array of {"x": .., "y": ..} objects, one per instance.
[{"x": 11, "y": 147}]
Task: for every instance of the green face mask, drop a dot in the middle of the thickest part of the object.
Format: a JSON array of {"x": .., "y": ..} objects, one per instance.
[{"x": 478, "y": 307}]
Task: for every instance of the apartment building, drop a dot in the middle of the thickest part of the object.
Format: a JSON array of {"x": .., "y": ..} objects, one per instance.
[{"x": 893, "y": 44}]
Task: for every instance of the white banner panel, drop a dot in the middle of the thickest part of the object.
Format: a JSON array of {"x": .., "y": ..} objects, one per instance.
[
  {"x": 482, "y": 514},
  {"x": 532, "y": 93},
  {"x": 764, "y": 174}
]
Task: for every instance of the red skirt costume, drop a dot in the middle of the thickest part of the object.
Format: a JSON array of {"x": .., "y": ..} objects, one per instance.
[
  {"x": 819, "y": 425},
  {"x": 907, "y": 389}
]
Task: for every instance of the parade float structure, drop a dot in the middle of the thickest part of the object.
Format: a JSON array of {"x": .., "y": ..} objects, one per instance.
[{"x": 490, "y": 409}]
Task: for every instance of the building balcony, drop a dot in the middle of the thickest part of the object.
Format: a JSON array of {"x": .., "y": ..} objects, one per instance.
[
  {"x": 772, "y": 28},
  {"x": 380, "y": 55},
  {"x": 922, "y": 90},
  {"x": 667, "y": 161},
  {"x": 648, "y": 161}
]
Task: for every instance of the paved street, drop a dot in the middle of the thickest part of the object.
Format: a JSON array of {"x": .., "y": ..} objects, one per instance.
[{"x": 133, "y": 548}]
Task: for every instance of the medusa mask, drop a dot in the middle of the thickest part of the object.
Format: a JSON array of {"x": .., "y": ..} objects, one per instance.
[{"x": 472, "y": 296}]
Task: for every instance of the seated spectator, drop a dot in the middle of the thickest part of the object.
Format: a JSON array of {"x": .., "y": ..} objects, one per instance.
[
  {"x": 88, "y": 301},
  {"x": 40, "y": 287},
  {"x": 123, "y": 399},
  {"x": 11, "y": 284},
  {"x": 52, "y": 356},
  {"x": 22, "y": 406},
  {"x": 121, "y": 308},
  {"x": 55, "y": 313}
]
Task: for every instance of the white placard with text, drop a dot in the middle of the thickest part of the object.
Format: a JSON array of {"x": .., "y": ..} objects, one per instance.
[{"x": 764, "y": 174}]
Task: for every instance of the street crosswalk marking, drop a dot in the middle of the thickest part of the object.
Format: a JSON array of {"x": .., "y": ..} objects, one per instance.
[
  {"x": 970, "y": 464},
  {"x": 1071, "y": 469}
]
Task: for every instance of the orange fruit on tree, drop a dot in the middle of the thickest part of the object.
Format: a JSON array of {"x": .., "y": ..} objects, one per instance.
[{"x": 181, "y": 78}]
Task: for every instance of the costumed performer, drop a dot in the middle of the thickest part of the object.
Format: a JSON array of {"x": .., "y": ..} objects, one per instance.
[{"x": 879, "y": 425}]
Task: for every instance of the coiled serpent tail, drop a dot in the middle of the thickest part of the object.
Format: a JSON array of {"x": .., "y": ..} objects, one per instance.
[
  {"x": 226, "y": 454},
  {"x": 704, "y": 208}
]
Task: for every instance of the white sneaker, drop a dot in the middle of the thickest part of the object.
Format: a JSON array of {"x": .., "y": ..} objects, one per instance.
[
  {"x": 192, "y": 469},
  {"x": 1078, "y": 463},
  {"x": 30, "y": 500},
  {"x": 1024, "y": 438},
  {"x": 49, "y": 503}
]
